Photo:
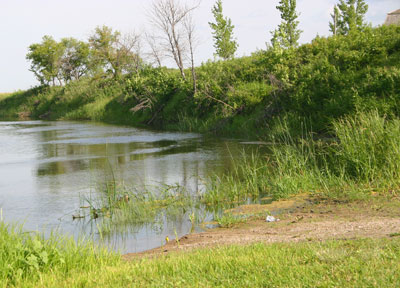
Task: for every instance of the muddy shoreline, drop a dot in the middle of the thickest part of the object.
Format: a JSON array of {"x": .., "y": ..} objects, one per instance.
[{"x": 301, "y": 219}]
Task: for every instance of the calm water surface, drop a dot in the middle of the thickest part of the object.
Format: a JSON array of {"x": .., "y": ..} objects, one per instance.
[{"x": 46, "y": 168}]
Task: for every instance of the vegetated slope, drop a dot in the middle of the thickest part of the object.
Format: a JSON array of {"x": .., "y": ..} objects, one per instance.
[{"x": 311, "y": 85}]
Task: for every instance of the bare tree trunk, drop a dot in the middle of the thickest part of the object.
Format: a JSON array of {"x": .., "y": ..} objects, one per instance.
[
  {"x": 155, "y": 50},
  {"x": 178, "y": 52},
  {"x": 190, "y": 28},
  {"x": 169, "y": 16}
]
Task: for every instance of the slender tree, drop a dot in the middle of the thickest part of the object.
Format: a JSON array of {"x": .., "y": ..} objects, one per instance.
[
  {"x": 191, "y": 38},
  {"x": 224, "y": 43},
  {"x": 335, "y": 17},
  {"x": 287, "y": 34},
  {"x": 349, "y": 16},
  {"x": 156, "y": 53},
  {"x": 169, "y": 17}
]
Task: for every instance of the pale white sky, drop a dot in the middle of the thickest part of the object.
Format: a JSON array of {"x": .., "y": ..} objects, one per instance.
[{"x": 23, "y": 22}]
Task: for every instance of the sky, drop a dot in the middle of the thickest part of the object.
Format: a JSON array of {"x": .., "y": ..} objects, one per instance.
[{"x": 23, "y": 22}]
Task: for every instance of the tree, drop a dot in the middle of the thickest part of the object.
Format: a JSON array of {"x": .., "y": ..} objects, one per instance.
[
  {"x": 191, "y": 38},
  {"x": 156, "y": 53},
  {"x": 113, "y": 52},
  {"x": 335, "y": 17},
  {"x": 349, "y": 16},
  {"x": 287, "y": 34},
  {"x": 74, "y": 63},
  {"x": 224, "y": 44},
  {"x": 45, "y": 60},
  {"x": 168, "y": 16}
]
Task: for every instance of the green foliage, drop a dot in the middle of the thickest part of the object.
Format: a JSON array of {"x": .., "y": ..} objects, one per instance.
[
  {"x": 75, "y": 61},
  {"x": 27, "y": 256},
  {"x": 113, "y": 52},
  {"x": 62, "y": 61},
  {"x": 45, "y": 60},
  {"x": 224, "y": 43},
  {"x": 348, "y": 16},
  {"x": 287, "y": 34}
]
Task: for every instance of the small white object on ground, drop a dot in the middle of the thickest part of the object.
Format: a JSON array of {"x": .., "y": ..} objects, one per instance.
[{"x": 271, "y": 219}]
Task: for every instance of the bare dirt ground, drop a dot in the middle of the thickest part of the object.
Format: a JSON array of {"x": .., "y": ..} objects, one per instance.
[{"x": 300, "y": 220}]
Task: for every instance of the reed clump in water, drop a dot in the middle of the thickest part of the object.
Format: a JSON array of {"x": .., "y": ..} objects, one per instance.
[{"x": 121, "y": 208}]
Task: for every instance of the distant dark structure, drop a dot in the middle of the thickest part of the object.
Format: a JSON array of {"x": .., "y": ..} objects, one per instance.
[{"x": 393, "y": 18}]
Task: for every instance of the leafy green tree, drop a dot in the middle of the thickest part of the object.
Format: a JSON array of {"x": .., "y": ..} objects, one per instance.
[
  {"x": 224, "y": 43},
  {"x": 287, "y": 34},
  {"x": 75, "y": 59},
  {"x": 349, "y": 16},
  {"x": 112, "y": 52},
  {"x": 45, "y": 60}
]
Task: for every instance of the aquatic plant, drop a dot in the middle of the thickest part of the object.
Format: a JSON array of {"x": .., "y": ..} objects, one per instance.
[{"x": 120, "y": 208}]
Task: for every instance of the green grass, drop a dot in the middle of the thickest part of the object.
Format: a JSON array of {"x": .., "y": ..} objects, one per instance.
[
  {"x": 26, "y": 256},
  {"x": 227, "y": 220},
  {"x": 4, "y": 95},
  {"x": 364, "y": 157},
  {"x": 355, "y": 263}
]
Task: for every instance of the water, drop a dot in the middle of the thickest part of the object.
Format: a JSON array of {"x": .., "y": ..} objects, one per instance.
[{"x": 46, "y": 168}]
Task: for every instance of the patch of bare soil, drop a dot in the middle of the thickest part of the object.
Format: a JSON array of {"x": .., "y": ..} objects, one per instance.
[{"x": 305, "y": 222}]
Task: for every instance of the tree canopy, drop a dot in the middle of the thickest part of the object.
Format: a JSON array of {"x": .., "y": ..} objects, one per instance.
[
  {"x": 113, "y": 52},
  {"x": 45, "y": 60}
]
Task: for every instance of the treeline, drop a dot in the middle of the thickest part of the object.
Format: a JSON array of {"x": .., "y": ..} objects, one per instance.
[{"x": 108, "y": 52}]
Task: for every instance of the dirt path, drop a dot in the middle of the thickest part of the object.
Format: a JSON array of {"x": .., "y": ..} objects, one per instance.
[{"x": 308, "y": 222}]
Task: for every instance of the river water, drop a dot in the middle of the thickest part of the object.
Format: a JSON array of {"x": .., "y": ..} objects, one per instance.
[{"x": 47, "y": 167}]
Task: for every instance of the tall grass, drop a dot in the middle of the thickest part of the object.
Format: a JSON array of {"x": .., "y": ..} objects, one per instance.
[
  {"x": 368, "y": 147},
  {"x": 363, "y": 157},
  {"x": 245, "y": 181}
]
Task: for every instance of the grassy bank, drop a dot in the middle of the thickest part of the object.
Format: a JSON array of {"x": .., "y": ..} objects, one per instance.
[
  {"x": 312, "y": 85},
  {"x": 31, "y": 261},
  {"x": 362, "y": 160}
]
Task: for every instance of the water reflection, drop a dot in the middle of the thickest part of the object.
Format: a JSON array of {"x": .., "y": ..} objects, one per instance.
[{"x": 46, "y": 167}]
